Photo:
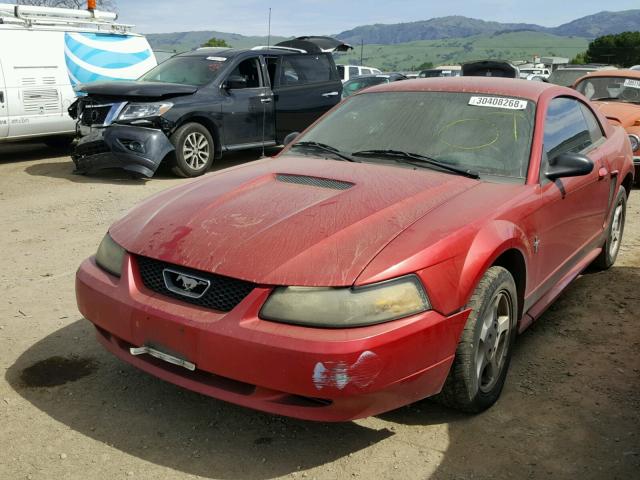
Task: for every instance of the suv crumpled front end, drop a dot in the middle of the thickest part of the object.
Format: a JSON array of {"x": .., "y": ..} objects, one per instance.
[{"x": 104, "y": 144}]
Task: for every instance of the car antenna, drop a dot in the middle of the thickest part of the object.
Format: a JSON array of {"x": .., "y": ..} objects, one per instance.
[{"x": 264, "y": 108}]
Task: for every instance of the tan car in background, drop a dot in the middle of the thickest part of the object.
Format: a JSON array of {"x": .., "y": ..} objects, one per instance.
[{"x": 616, "y": 93}]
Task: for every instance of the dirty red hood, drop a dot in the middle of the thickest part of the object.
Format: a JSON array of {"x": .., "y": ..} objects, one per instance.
[
  {"x": 625, "y": 114},
  {"x": 272, "y": 222}
]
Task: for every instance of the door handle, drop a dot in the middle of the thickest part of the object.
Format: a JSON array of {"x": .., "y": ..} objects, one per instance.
[
  {"x": 330, "y": 94},
  {"x": 265, "y": 100},
  {"x": 602, "y": 172}
]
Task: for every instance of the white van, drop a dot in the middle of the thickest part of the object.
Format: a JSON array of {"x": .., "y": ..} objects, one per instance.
[
  {"x": 346, "y": 72},
  {"x": 45, "y": 52}
]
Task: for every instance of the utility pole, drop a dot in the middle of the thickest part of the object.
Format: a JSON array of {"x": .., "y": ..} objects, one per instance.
[{"x": 361, "y": 50}]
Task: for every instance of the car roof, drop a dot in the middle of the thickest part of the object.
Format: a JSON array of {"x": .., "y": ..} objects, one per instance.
[
  {"x": 491, "y": 86},
  {"x": 614, "y": 73}
]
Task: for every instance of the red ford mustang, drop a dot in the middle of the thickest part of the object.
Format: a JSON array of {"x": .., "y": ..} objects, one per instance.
[{"x": 392, "y": 252}]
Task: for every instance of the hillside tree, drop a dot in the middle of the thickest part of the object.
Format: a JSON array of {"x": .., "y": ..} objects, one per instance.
[
  {"x": 216, "y": 42},
  {"x": 622, "y": 49}
]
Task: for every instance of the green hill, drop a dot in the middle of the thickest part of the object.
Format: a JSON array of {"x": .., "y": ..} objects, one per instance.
[
  {"x": 185, "y": 41},
  {"x": 508, "y": 46}
]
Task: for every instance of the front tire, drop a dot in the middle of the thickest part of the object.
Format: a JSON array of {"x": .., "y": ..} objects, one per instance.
[
  {"x": 483, "y": 355},
  {"x": 611, "y": 246},
  {"x": 194, "y": 150}
]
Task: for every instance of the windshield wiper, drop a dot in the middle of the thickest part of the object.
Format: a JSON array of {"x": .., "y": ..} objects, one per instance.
[
  {"x": 416, "y": 159},
  {"x": 325, "y": 148}
]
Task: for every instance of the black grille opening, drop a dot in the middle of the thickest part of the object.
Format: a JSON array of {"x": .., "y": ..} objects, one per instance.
[
  {"x": 94, "y": 115},
  {"x": 223, "y": 294},
  {"x": 314, "y": 181},
  {"x": 89, "y": 149}
]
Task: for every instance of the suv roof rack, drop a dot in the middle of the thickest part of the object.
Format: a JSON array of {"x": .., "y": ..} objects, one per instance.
[{"x": 31, "y": 16}]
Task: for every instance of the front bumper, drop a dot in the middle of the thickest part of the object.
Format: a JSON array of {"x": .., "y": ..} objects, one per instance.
[
  {"x": 135, "y": 149},
  {"x": 308, "y": 373}
]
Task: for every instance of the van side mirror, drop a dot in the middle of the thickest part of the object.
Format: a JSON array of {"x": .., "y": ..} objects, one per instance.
[
  {"x": 290, "y": 138},
  {"x": 235, "y": 82},
  {"x": 569, "y": 165}
]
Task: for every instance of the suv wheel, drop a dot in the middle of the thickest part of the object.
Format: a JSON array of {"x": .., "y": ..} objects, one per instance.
[
  {"x": 194, "y": 150},
  {"x": 483, "y": 355}
]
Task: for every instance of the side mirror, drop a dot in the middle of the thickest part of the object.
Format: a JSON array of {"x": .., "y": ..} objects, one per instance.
[
  {"x": 569, "y": 165},
  {"x": 235, "y": 82},
  {"x": 290, "y": 138}
]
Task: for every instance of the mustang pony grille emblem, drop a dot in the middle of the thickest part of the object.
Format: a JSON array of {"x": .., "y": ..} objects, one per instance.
[{"x": 185, "y": 284}]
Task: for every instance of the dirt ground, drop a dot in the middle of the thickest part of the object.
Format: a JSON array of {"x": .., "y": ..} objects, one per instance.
[{"x": 570, "y": 408}]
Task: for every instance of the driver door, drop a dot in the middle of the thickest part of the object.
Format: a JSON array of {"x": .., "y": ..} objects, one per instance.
[
  {"x": 247, "y": 108},
  {"x": 573, "y": 209}
]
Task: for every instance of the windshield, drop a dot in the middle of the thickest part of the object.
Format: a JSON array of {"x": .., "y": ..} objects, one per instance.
[
  {"x": 490, "y": 135},
  {"x": 566, "y": 78},
  {"x": 187, "y": 70},
  {"x": 352, "y": 86},
  {"x": 611, "y": 88}
]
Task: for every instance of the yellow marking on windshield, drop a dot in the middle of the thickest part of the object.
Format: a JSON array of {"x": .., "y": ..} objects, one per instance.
[{"x": 475, "y": 147}]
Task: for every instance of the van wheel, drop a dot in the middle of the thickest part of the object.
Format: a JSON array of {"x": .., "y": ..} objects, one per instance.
[
  {"x": 194, "y": 150},
  {"x": 611, "y": 245},
  {"x": 483, "y": 355}
]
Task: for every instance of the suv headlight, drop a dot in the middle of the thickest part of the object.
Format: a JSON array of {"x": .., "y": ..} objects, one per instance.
[
  {"x": 635, "y": 142},
  {"x": 110, "y": 255},
  {"x": 134, "y": 111},
  {"x": 347, "y": 307}
]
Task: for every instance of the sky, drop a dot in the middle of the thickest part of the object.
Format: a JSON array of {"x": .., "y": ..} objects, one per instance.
[{"x": 318, "y": 17}]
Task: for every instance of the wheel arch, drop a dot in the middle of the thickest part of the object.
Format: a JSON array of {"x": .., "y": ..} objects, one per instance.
[
  {"x": 502, "y": 244},
  {"x": 209, "y": 124}
]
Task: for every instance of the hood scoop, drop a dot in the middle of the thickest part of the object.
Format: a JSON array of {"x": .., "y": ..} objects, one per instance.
[{"x": 314, "y": 181}]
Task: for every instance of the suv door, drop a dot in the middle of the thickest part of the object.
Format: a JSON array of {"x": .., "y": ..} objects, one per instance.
[
  {"x": 4, "y": 107},
  {"x": 247, "y": 106},
  {"x": 573, "y": 209},
  {"x": 307, "y": 86}
]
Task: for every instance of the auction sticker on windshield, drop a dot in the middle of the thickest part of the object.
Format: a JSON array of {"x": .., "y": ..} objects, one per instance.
[
  {"x": 217, "y": 59},
  {"x": 499, "y": 102},
  {"x": 632, "y": 83}
]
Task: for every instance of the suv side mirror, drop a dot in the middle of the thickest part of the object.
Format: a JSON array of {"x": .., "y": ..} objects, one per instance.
[
  {"x": 569, "y": 165},
  {"x": 235, "y": 82},
  {"x": 290, "y": 138}
]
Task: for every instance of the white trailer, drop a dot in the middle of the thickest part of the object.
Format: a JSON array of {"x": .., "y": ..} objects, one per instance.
[{"x": 45, "y": 52}]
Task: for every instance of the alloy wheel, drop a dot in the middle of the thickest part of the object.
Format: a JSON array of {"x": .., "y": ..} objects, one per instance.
[
  {"x": 196, "y": 150},
  {"x": 493, "y": 342},
  {"x": 616, "y": 230}
]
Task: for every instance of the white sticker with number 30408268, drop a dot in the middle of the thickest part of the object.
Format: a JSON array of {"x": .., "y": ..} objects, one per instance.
[{"x": 499, "y": 102}]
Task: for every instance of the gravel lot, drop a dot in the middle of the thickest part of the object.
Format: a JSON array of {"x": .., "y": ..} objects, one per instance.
[{"x": 570, "y": 409}]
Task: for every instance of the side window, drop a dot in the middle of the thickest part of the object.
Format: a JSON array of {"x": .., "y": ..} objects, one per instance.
[
  {"x": 595, "y": 130},
  {"x": 366, "y": 71},
  {"x": 353, "y": 72},
  {"x": 341, "y": 71},
  {"x": 312, "y": 68},
  {"x": 248, "y": 71},
  {"x": 289, "y": 75},
  {"x": 565, "y": 130}
]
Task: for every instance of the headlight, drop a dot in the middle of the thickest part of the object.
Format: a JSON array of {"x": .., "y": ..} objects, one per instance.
[
  {"x": 347, "y": 307},
  {"x": 144, "y": 110},
  {"x": 110, "y": 256},
  {"x": 635, "y": 142}
]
